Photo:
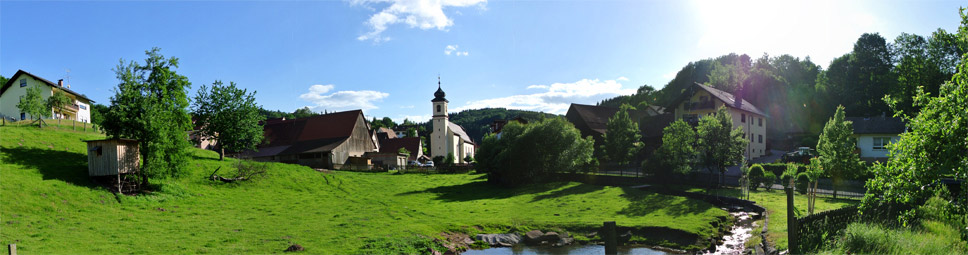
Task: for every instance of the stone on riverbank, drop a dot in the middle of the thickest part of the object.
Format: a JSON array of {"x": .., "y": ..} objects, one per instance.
[{"x": 500, "y": 240}]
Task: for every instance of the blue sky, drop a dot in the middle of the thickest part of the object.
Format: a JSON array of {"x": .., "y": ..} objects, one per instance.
[{"x": 383, "y": 56}]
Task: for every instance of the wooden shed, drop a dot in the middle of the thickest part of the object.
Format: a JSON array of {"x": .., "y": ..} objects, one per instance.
[{"x": 110, "y": 157}]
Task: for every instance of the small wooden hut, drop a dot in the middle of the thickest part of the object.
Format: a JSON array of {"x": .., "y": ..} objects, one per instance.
[{"x": 113, "y": 159}]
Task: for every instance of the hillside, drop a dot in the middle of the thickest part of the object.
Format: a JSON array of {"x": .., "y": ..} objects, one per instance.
[
  {"x": 477, "y": 122},
  {"x": 49, "y": 206}
]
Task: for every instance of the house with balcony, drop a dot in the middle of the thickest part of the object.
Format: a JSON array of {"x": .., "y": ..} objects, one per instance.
[
  {"x": 700, "y": 100},
  {"x": 16, "y": 88}
]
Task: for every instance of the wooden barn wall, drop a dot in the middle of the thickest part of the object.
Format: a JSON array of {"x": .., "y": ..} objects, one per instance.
[
  {"x": 358, "y": 143},
  {"x": 106, "y": 163},
  {"x": 129, "y": 157}
]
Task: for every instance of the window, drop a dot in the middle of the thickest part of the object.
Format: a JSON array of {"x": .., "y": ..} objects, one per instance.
[
  {"x": 760, "y": 138},
  {"x": 880, "y": 143},
  {"x": 83, "y": 107},
  {"x": 23, "y": 83},
  {"x": 742, "y": 117},
  {"x": 760, "y": 121},
  {"x": 23, "y": 116},
  {"x": 438, "y": 108}
]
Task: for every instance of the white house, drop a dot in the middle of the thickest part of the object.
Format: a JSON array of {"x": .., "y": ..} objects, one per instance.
[
  {"x": 448, "y": 138},
  {"x": 16, "y": 88},
  {"x": 874, "y": 133}
]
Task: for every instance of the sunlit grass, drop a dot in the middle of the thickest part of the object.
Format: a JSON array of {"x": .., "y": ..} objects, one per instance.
[{"x": 48, "y": 205}]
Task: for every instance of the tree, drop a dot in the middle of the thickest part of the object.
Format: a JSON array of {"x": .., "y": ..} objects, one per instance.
[
  {"x": 150, "y": 105},
  {"x": 719, "y": 144},
  {"x": 676, "y": 152},
  {"x": 58, "y": 101},
  {"x": 97, "y": 113},
  {"x": 411, "y": 132},
  {"x": 531, "y": 153},
  {"x": 33, "y": 105},
  {"x": 790, "y": 174},
  {"x": 836, "y": 148},
  {"x": 3, "y": 79},
  {"x": 813, "y": 172},
  {"x": 622, "y": 138},
  {"x": 914, "y": 67},
  {"x": 934, "y": 147},
  {"x": 228, "y": 115},
  {"x": 403, "y": 150},
  {"x": 304, "y": 112}
]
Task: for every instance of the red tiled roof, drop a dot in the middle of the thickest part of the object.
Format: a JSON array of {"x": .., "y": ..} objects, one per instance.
[{"x": 412, "y": 144}]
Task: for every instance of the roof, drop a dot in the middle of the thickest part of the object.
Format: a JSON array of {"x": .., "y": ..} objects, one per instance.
[
  {"x": 52, "y": 84},
  {"x": 319, "y": 133},
  {"x": 459, "y": 131},
  {"x": 877, "y": 125},
  {"x": 412, "y": 144},
  {"x": 657, "y": 124},
  {"x": 727, "y": 99},
  {"x": 596, "y": 117},
  {"x": 113, "y": 139},
  {"x": 386, "y": 133}
]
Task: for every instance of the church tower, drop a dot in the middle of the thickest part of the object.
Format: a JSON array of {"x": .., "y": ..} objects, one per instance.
[{"x": 439, "y": 141}]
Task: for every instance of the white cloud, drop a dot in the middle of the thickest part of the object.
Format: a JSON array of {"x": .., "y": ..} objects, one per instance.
[
  {"x": 341, "y": 100},
  {"x": 414, "y": 118},
  {"x": 557, "y": 97},
  {"x": 453, "y": 49},
  {"x": 423, "y": 14},
  {"x": 622, "y": 79}
]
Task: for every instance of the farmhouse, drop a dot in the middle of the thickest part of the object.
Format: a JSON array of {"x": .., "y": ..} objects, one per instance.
[
  {"x": 592, "y": 120},
  {"x": 14, "y": 90},
  {"x": 323, "y": 141},
  {"x": 448, "y": 138},
  {"x": 701, "y": 100},
  {"x": 874, "y": 133}
]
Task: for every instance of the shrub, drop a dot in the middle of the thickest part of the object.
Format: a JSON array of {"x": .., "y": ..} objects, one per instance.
[
  {"x": 768, "y": 180},
  {"x": 755, "y": 177},
  {"x": 802, "y": 183},
  {"x": 530, "y": 153}
]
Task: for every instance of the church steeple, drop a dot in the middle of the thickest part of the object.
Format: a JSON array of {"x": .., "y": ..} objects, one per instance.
[{"x": 439, "y": 95}]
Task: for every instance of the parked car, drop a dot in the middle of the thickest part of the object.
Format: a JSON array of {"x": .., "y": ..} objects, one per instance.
[
  {"x": 429, "y": 164},
  {"x": 801, "y": 155}
]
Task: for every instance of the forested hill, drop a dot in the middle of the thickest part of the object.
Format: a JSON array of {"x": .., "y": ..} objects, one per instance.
[
  {"x": 799, "y": 95},
  {"x": 477, "y": 122}
]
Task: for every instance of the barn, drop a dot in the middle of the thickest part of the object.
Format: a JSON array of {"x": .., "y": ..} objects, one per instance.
[{"x": 323, "y": 141}]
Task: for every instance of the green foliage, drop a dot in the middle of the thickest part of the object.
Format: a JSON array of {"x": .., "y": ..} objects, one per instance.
[
  {"x": 97, "y": 113},
  {"x": 449, "y": 160},
  {"x": 865, "y": 238},
  {"x": 228, "y": 115},
  {"x": 413, "y": 244},
  {"x": 385, "y": 122},
  {"x": 719, "y": 145},
  {"x": 150, "y": 105},
  {"x": 58, "y": 101},
  {"x": 676, "y": 155},
  {"x": 768, "y": 180},
  {"x": 33, "y": 104},
  {"x": 622, "y": 138},
  {"x": 836, "y": 148},
  {"x": 403, "y": 150},
  {"x": 789, "y": 175},
  {"x": 477, "y": 122},
  {"x": 756, "y": 174},
  {"x": 411, "y": 132},
  {"x": 3, "y": 80},
  {"x": 531, "y": 153}
]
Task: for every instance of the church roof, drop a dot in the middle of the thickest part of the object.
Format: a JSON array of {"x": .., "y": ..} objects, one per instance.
[
  {"x": 459, "y": 131},
  {"x": 439, "y": 95}
]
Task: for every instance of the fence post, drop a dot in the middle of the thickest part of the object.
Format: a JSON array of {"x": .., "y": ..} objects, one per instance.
[
  {"x": 791, "y": 223},
  {"x": 12, "y": 248},
  {"x": 611, "y": 241}
]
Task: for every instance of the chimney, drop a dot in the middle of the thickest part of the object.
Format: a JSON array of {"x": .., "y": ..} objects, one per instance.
[{"x": 60, "y": 83}]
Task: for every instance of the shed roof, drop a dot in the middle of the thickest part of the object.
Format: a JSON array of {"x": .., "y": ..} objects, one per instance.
[
  {"x": 52, "y": 84},
  {"x": 112, "y": 139},
  {"x": 877, "y": 125}
]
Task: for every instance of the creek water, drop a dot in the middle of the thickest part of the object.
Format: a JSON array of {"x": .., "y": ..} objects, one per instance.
[
  {"x": 570, "y": 249},
  {"x": 735, "y": 242}
]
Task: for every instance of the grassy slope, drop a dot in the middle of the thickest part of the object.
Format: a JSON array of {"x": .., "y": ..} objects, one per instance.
[
  {"x": 47, "y": 205},
  {"x": 931, "y": 238},
  {"x": 775, "y": 203}
]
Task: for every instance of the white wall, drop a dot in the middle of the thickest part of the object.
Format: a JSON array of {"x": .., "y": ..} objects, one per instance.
[
  {"x": 866, "y": 144},
  {"x": 11, "y": 97}
]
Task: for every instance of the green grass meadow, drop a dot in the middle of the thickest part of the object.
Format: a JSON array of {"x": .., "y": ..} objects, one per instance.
[{"x": 48, "y": 205}]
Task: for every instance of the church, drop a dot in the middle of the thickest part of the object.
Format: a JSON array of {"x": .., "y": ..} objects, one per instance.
[{"x": 446, "y": 137}]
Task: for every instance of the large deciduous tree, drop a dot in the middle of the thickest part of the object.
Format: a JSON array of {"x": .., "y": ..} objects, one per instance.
[
  {"x": 531, "y": 153},
  {"x": 836, "y": 148},
  {"x": 719, "y": 144},
  {"x": 622, "y": 138},
  {"x": 33, "y": 105},
  {"x": 150, "y": 104},
  {"x": 677, "y": 153},
  {"x": 229, "y": 115}
]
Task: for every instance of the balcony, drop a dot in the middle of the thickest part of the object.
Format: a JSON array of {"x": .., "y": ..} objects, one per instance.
[
  {"x": 692, "y": 106},
  {"x": 72, "y": 107}
]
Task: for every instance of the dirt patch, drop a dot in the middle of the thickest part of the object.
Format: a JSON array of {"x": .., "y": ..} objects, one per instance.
[{"x": 455, "y": 242}]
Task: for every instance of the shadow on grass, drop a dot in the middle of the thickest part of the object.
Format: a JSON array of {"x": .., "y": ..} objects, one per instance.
[
  {"x": 70, "y": 167},
  {"x": 644, "y": 203},
  {"x": 482, "y": 190},
  {"x": 573, "y": 190}
]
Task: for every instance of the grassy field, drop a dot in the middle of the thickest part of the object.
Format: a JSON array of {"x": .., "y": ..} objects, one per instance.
[
  {"x": 48, "y": 206},
  {"x": 775, "y": 204},
  {"x": 931, "y": 237}
]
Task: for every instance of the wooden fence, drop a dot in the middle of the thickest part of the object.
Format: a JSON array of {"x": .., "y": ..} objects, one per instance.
[{"x": 812, "y": 230}]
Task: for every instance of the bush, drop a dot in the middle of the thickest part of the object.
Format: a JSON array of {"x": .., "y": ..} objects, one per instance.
[
  {"x": 531, "y": 153},
  {"x": 768, "y": 180},
  {"x": 803, "y": 183},
  {"x": 755, "y": 176}
]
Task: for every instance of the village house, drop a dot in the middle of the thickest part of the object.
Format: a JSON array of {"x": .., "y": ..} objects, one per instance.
[
  {"x": 15, "y": 89},
  {"x": 701, "y": 100},
  {"x": 447, "y": 137},
  {"x": 323, "y": 141},
  {"x": 592, "y": 120},
  {"x": 874, "y": 133}
]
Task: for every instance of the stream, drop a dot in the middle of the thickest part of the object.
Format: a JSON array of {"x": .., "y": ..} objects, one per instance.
[{"x": 735, "y": 242}]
